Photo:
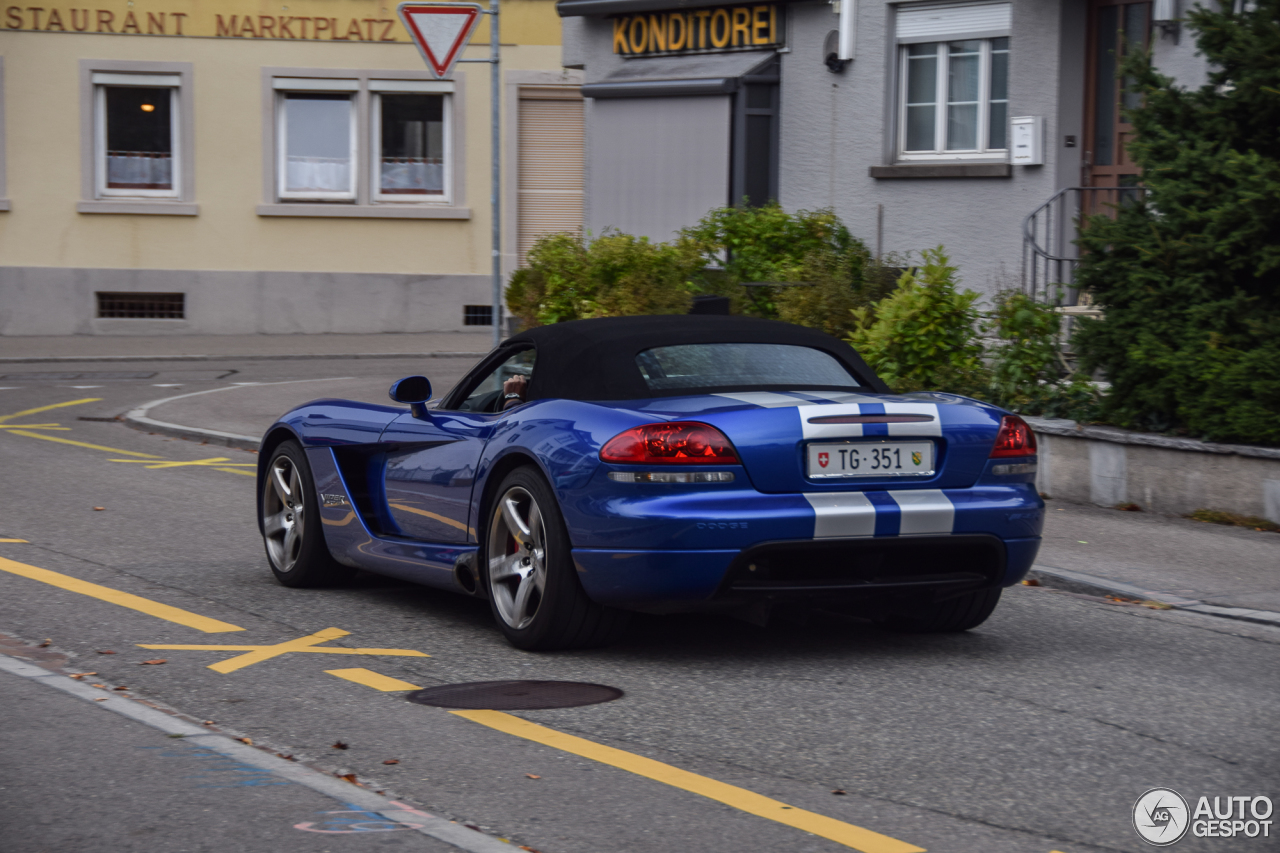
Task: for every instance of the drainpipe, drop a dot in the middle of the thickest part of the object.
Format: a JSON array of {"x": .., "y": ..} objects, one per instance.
[{"x": 848, "y": 29}]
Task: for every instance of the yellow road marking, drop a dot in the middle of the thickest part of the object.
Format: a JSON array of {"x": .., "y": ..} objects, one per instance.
[
  {"x": 369, "y": 678},
  {"x": 257, "y": 654},
  {"x": 124, "y": 599},
  {"x": 82, "y": 444},
  {"x": 40, "y": 409},
  {"x": 253, "y": 473},
  {"x": 34, "y": 426},
  {"x": 15, "y": 540},
  {"x": 220, "y": 462},
  {"x": 750, "y": 802}
]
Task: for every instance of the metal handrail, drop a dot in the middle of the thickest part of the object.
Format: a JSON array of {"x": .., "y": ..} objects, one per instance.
[{"x": 1051, "y": 266}]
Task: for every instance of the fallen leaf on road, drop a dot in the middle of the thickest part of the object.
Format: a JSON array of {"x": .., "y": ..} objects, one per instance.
[
  {"x": 1031, "y": 582},
  {"x": 82, "y": 674},
  {"x": 100, "y": 686},
  {"x": 339, "y": 745},
  {"x": 533, "y": 776},
  {"x": 348, "y": 777},
  {"x": 839, "y": 792},
  {"x": 44, "y": 645},
  {"x": 99, "y": 508},
  {"x": 120, "y": 688},
  {"x": 105, "y": 652},
  {"x": 1157, "y": 605},
  {"x": 246, "y": 740},
  {"x": 530, "y": 849},
  {"x": 155, "y": 662},
  {"x": 102, "y": 699},
  {"x": 208, "y": 722},
  {"x": 392, "y": 761},
  {"x": 1082, "y": 542}
]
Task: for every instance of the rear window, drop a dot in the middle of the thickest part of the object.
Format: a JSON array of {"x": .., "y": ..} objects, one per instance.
[{"x": 694, "y": 366}]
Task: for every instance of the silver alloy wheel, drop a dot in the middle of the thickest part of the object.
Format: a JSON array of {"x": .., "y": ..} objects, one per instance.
[
  {"x": 517, "y": 555},
  {"x": 283, "y": 513}
]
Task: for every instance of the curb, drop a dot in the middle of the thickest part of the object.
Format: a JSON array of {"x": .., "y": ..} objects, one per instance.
[
  {"x": 1078, "y": 582},
  {"x": 138, "y": 418},
  {"x": 231, "y": 357},
  {"x": 438, "y": 828}
]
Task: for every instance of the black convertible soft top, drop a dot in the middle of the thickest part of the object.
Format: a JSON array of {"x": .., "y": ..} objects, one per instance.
[{"x": 596, "y": 359}]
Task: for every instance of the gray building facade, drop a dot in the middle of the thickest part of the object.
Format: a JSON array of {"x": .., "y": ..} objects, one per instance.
[{"x": 934, "y": 123}]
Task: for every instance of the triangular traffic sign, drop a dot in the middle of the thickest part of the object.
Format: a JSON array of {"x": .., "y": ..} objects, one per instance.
[{"x": 440, "y": 30}]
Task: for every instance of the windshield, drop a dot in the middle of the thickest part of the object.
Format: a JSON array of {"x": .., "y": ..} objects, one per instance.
[{"x": 691, "y": 366}]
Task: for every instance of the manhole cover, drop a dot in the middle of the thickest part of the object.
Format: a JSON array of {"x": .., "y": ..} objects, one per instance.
[{"x": 515, "y": 695}]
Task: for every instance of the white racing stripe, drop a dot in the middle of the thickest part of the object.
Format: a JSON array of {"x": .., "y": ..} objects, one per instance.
[
  {"x": 924, "y": 511},
  {"x": 841, "y": 514},
  {"x": 764, "y": 399}
]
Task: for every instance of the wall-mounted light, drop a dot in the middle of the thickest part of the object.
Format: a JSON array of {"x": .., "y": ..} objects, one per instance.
[
  {"x": 1164, "y": 14},
  {"x": 148, "y": 108}
]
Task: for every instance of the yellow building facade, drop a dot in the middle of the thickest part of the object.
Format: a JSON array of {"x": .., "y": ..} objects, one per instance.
[{"x": 232, "y": 167}]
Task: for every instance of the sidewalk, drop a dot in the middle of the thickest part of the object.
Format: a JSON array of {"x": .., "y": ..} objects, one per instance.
[{"x": 153, "y": 347}]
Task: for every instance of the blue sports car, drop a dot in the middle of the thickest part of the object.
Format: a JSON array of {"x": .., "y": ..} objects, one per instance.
[{"x": 661, "y": 464}]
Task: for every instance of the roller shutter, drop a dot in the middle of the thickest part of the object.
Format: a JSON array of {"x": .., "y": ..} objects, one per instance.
[{"x": 549, "y": 188}]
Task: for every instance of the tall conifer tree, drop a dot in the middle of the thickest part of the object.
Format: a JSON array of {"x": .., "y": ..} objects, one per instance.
[{"x": 1190, "y": 277}]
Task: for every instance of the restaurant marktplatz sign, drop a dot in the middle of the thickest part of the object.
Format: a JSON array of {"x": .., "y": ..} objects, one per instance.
[
  {"x": 331, "y": 20},
  {"x": 722, "y": 28}
]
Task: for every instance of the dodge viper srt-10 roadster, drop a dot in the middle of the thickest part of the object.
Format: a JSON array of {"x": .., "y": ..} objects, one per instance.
[{"x": 589, "y": 469}]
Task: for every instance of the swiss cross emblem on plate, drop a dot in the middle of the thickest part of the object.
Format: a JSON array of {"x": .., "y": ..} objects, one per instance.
[{"x": 823, "y": 459}]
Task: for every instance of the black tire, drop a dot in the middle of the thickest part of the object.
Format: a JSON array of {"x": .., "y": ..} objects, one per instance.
[
  {"x": 558, "y": 614},
  {"x": 952, "y": 615},
  {"x": 286, "y": 506}
]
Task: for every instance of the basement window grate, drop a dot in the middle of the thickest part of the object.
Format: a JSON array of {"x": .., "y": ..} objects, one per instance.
[
  {"x": 142, "y": 306},
  {"x": 477, "y": 315}
]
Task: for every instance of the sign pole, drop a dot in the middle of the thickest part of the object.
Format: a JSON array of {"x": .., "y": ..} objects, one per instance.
[
  {"x": 495, "y": 82},
  {"x": 441, "y": 31}
]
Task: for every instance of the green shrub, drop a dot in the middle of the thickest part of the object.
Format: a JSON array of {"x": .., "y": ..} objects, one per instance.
[
  {"x": 924, "y": 335},
  {"x": 615, "y": 275},
  {"x": 1028, "y": 373},
  {"x": 1190, "y": 277},
  {"x": 824, "y": 271}
]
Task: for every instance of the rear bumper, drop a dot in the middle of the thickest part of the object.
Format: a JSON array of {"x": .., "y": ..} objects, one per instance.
[{"x": 866, "y": 567}]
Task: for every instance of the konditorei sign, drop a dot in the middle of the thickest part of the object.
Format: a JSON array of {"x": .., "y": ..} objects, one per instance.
[{"x": 721, "y": 28}]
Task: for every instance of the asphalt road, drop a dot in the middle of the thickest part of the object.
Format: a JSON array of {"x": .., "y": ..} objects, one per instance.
[{"x": 1035, "y": 732}]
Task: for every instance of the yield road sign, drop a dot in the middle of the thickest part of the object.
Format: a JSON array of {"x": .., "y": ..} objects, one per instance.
[{"x": 440, "y": 30}]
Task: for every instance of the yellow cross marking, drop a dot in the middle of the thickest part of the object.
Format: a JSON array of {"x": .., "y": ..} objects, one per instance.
[
  {"x": 40, "y": 409},
  {"x": 214, "y": 462},
  {"x": 33, "y": 426},
  {"x": 257, "y": 654}
]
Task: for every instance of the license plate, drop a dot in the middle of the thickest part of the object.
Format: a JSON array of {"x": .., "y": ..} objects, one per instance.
[{"x": 870, "y": 459}]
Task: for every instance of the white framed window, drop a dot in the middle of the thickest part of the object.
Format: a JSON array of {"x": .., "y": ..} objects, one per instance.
[
  {"x": 316, "y": 139},
  {"x": 137, "y": 128},
  {"x": 411, "y": 135},
  {"x": 953, "y": 74},
  {"x": 363, "y": 141}
]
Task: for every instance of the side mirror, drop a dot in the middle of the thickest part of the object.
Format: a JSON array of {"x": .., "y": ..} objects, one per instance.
[{"x": 414, "y": 390}]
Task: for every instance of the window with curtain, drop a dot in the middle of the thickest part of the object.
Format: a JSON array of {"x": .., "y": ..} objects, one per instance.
[
  {"x": 411, "y": 138},
  {"x": 137, "y": 141},
  {"x": 317, "y": 141}
]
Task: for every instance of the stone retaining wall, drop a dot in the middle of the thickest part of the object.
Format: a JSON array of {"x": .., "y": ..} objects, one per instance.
[{"x": 1109, "y": 466}]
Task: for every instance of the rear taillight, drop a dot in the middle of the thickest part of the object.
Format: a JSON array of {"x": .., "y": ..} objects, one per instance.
[
  {"x": 678, "y": 443},
  {"x": 1014, "y": 439}
]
